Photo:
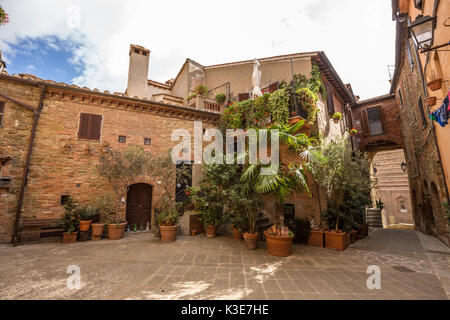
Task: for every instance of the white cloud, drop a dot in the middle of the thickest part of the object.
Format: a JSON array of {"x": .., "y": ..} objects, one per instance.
[{"x": 358, "y": 36}]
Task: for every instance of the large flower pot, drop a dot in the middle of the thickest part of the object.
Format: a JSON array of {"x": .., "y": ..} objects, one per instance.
[
  {"x": 97, "y": 230},
  {"x": 335, "y": 240},
  {"x": 250, "y": 240},
  {"x": 316, "y": 238},
  {"x": 237, "y": 234},
  {"x": 210, "y": 231},
  {"x": 353, "y": 236},
  {"x": 168, "y": 233},
  {"x": 85, "y": 225},
  {"x": 116, "y": 231},
  {"x": 279, "y": 246},
  {"x": 336, "y": 120},
  {"x": 70, "y": 237},
  {"x": 434, "y": 85}
]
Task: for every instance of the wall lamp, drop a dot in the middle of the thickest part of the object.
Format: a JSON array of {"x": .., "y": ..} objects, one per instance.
[{"x": 422, "y": 31}]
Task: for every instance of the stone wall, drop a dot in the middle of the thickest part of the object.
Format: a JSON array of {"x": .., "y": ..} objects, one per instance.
[{"x": 63, "y": 164}]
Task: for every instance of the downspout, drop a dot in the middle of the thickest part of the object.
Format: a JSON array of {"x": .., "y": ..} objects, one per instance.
[{"x": 36, "y": 116}]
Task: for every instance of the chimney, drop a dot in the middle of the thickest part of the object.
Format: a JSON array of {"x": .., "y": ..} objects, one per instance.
[{"x": 138, "y": 71}]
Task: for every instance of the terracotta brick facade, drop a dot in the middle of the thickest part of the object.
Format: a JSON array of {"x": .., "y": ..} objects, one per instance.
[{"x": 63, "y": 164}]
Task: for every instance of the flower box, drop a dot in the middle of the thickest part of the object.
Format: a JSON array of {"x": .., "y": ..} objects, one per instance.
[{"x": 316, "y": 238}]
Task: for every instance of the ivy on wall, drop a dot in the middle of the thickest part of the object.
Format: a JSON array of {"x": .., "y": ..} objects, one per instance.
[{"x": 279, "y": 106}]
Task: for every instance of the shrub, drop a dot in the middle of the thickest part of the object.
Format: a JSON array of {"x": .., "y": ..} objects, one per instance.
[
  {"x": 308, "y": 100},
  {"x": 279, "y": 106},
  {"x": 337, "y": 116},
  {"x": 220, "y": 98},
  {"x": 168, "y": 217},
  {"x": 191, "y": 96},
  {"x": 201, "y": 90}
]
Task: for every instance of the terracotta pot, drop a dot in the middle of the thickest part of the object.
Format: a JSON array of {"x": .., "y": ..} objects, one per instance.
[
  {"x": 210, "y": 231},
  {"x": 279, "y": 246},
  {"x": 70, "y": 238},
  {"x": 85, "y": 225},
  {"x": 115, "y": 232},
  {"x": 335, "y": 240},
  {"x": 251, "y": 240},
  {"x": 168, "y": 233},
  {"x": 97, "y": 230},
  {"x": 237, "y": 234},
  {"x": 335, "y": 120},
  {"x": 316, "y": 238},
  {"x": 430, "y": 101},
  {"x": 434, "y": 85},
  {"x": 193, "y": 232},
  {"x": 353, "y": 236}
]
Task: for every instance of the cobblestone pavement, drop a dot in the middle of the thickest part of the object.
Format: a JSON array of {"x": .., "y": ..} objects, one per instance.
[{"x": 140, "y": 267}]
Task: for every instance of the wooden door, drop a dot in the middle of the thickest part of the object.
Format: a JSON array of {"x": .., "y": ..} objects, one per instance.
[{"x": 139, "y": 205}]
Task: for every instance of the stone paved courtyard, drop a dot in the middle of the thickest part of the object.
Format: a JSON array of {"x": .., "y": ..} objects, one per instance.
[{"x": 140, "y": 267}]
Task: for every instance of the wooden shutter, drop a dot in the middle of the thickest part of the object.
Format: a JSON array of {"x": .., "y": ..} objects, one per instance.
[
  {"x": 2, "y": 110},
  {"x": 274, "y": 87},
  {"x": 330, "y": 100},
  {"x": 365, "y": 122},
  {"x": 244, "y": 96},
  {"x": 90, "y": 126}
]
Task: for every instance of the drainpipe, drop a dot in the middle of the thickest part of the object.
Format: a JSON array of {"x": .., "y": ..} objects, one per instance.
[{"x": 36, "y": 116}]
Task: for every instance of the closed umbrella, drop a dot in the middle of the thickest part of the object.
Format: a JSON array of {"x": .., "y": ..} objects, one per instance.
[{"x": 256, "y": 79}]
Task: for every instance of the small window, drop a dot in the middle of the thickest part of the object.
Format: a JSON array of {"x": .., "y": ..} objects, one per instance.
[
  {"x": 400, "y": 96},
  {"x": 90, "y": 126},
  {"x": 122, "y": 139},
  {"x": 64, "y": 199},
  {"x": 273, "y": 87},
  {"x": 418, "y": 4},
  {"x": 144, "y": 53},
  {"x": 2, "y": 111},
  {"x": 136, "y": 51},
  {"x": 147, "y": 141},
  {"x": 243, "y": 96}
]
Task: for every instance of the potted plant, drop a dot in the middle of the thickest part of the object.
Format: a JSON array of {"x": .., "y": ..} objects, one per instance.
[
  {"x": 168, "y": 225},
  {"x": 336, "y": 117},
  {"x": 316, "y": 238},
  {"x": 430, "y": 101},
  {"x": 282, "y": 182},
  {"x": 201, "y": 90},
  {"x": 104, "y": 207},
  {"x": 220, "y": 98},
  {"x": 250, "y": 235},
  {"x": 238, "y": 225},
  {"x": 69, "y": 222},
  {"x": 85, "y": 215},
  {"x": 353, "y": 132},
  {"x": 212, "y": 219}
]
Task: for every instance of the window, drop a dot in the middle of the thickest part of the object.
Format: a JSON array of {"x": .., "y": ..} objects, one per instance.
[
  {"x": 2, "y": 110},
  {"x": 64, "y": 199},
  {"x": 410, "y": 60},
  {"x": 147, "y": 141},
  {"x": 422, "y": 113},
  {"x": 400, "y": 96},
  {"x": 375, "y": 121},
  {"x": 243, "y": 96},
  {"x": 90, "y": 126},
  {"x": 418, "y": 4},
  {"x": 183, "y": 180},
  {"x": 273, "y": 87},
  {"x": 122, "y": 139},
  {"x": 330, "y": 100}
]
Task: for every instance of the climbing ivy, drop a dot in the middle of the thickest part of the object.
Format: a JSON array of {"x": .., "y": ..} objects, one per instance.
[
  {"x": 308, "y": 100},
  {"x": 279, "y": 106}
]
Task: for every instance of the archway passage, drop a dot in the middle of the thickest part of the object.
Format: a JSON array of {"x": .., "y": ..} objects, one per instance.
[{"x": 139, "y": 205}]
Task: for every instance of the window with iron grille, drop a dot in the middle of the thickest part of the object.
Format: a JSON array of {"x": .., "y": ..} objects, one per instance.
[
  {"x": 2, "y": 111},
  {"x": 243, "y": 96},
  {"x": 375, "y": 121},
  {"x": 122, "y": 139},
  {"x": 90, "y": 126},
  {"x": 147, "y": 141}
]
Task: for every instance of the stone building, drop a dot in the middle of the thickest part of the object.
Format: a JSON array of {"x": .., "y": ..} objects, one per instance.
[
  {"x": 51, "y": 134},
  {"x": 425, "y": 142}
]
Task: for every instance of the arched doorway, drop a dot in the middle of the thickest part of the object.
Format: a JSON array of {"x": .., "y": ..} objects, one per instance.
[{"x": 139, "y": 204}]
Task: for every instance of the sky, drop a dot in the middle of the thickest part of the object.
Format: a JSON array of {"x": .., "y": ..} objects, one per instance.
[{"x": 87, "y": 42}]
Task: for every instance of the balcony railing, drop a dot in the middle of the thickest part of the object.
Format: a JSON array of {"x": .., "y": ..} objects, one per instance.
[{"x": 202, "y": 103}]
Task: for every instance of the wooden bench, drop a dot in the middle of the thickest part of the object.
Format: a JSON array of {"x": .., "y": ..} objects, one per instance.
[{"x": 38, "y": 229}]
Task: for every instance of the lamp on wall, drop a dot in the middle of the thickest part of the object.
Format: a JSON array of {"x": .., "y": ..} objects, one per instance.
[
  {"x": 403, "y": 166},
  {"x": 422, "y": 31}
]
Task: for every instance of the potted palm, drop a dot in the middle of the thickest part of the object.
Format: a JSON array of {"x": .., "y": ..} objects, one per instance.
[
  {"x": 69, "y": 221},
  {"x": 282, "y": 181},
  {"x": 212, "y": 219},
  {"x": 168, "y": 225},
  {"x": 85, "y": 215}
]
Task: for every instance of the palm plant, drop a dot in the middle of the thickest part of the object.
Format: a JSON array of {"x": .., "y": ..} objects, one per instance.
[{"x": 289, "y": 178}]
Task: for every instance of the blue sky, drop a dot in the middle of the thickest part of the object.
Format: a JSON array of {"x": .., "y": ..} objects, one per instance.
[
  {"x": 45, "y": 57},
  {"x": 87, "y": 42}
]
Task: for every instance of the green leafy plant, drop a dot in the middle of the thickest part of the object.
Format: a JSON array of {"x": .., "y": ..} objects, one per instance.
[
  {"x": 337, "y": 116},
  {"x": 68, "y": 220},
  {"x": 220, "y": 98},
  {"x": 86, "y": 212},
  {"x": 308, "y": 100},
  {"x": 353, "y": 131},
  {"x": 191, "y": 96},
  {"x": 201, "y": 90},
  {"x": 4, "y": 18},
  {"x": 168, "y": 217},
  {"x": 279, "y": 106}
]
